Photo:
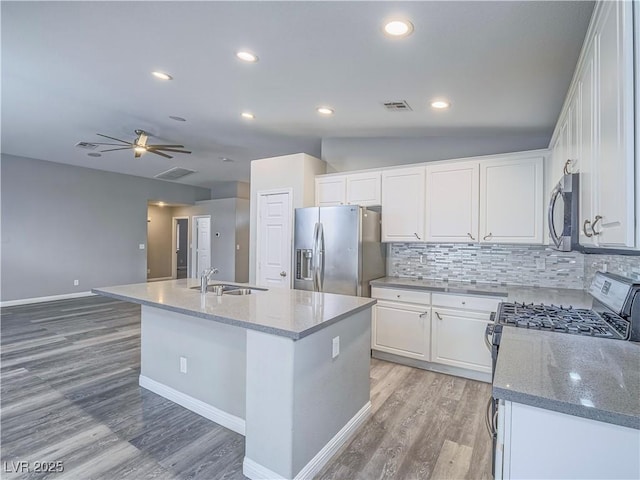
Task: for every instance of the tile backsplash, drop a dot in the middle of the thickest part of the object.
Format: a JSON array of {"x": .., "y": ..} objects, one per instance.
[{"x": 531, "y": 265}]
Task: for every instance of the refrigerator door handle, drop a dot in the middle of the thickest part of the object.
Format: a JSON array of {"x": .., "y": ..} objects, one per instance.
[
  {"x": 320, "y": 257},
  {"x": 316, "y": 247}
]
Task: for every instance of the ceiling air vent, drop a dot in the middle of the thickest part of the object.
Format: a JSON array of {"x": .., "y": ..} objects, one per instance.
[
  {"x": 86, "y": 145},
  {"x": 399, "y": 106},
  {"x": 175, "y": 173}
]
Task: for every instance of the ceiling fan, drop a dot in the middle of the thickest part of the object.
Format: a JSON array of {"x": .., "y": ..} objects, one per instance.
[{"x": 140, "y": 146}]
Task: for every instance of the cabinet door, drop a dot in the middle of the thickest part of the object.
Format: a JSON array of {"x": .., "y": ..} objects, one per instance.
[
  {"x": 511, "y": 203},
  {"x": 614, "y": 176},
  {"x": 403, "y": 205},
  {"x": 401, "y": 329},
  {"x": 452, "y": 202},
  {"x": 457, "y": 339},
  {"x": 364, "y": 189},
  {"x": 330, "y": 191}
]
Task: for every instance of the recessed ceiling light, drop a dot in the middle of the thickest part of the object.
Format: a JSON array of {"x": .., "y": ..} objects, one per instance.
[
  {"x": 325, "y": 110},
  {"x": 225, "y": 159},
  {"x": 248, "y": 115},
  {"x": 161, "y": 204},
  {"x": 94, "y": 154},
  {"x": 177, "y": 119},
  {"x": 398, "y": 28},
  {"x": 162, "y": 75},
  {"x": 440, "y": 104},
  {"x": 247, "y": 56}
]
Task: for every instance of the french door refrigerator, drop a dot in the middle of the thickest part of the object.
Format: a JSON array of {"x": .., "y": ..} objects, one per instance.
[{"x": 338, "y": 249}]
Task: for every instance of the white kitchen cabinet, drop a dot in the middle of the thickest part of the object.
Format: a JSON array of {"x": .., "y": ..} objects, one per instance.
[
  {"x": 351, "y": 189},
  {"x": 452, "y": 202},
  {"x": 457, "y": 334},
  {"x": 511, "y": 203},
  {"x": 403, "y": 205},
  {"x": 569, "y": 446},
  {"x": 401, "y": 329},
  {"x": 330, "y": 191}
]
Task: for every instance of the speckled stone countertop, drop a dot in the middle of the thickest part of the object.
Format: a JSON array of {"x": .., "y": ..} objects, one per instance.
[
  {"x": 289, "y": 313},
  {"x": 588, "y": 377},
  {"x": 510, "y": 293}
]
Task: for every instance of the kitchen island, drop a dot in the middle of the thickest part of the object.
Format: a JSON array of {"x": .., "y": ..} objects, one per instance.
[{"x": 288, "y": 369}]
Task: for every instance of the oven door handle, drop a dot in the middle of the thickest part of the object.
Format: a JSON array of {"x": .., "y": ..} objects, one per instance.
[
  {"x": 555, "y": 238},
  {"x": 488, "y": 335}
]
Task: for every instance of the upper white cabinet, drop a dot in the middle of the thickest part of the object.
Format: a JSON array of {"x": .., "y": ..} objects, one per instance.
[
  {"x": 600, "y": 106},
  {"x": 511, "y": 204},
  {"x": 403, "y": 205},
  {"x": 452, "y": 202},
  {"x": 352, "y": 189}
]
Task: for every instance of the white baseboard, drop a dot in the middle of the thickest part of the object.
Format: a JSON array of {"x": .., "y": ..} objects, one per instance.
[
  {"x": 210, "y": 412},
  {"x": 255, "y": 471},
  {"x": 26, "y": 301},
  {"x": 159, "y": 279}
]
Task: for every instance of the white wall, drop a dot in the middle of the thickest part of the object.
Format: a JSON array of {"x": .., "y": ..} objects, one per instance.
[{"x": 295, "y": 171}]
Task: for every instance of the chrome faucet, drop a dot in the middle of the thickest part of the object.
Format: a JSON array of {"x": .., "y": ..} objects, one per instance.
[{"x": 204, "y": 278}]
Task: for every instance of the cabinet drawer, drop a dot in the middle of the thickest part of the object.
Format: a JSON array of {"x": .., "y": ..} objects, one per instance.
[
  {"x": 401, "y": 295},
  {"x": 486, "y": 304}
]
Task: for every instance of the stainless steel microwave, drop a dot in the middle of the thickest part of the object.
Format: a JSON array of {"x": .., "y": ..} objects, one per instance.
[{"x": 563, "y": 213}]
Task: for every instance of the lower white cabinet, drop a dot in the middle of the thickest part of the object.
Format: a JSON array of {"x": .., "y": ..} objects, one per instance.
[
  {"x": 565, "y": 446},
  {"x": 402, "y": 329},
  {"x": 457, "y": 339}
]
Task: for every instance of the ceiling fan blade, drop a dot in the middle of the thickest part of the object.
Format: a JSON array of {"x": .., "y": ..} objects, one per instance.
[
  {"x": 159, "y": 153},
  {"x": 114, "y": 149},
  {"x": 168, "y": 150},
  {"x": 114, "y": 138},
  {"x": 162, "y": 146},
  {"x": 98, "y": 143}
]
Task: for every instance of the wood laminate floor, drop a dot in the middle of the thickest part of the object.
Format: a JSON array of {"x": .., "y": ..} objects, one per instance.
[{"x": 69, "y": 392}]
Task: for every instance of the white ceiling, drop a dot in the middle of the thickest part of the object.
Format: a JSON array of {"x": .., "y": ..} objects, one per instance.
[{"x": 74, "y": 69}]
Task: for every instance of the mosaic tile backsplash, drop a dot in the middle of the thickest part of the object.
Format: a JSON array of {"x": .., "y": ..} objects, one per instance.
[{"x": 531, "y": 265}]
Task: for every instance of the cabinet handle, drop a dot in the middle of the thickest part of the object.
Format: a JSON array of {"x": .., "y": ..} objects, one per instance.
[
  {"x": 584, "y": 228},
  {"x": 593, "y": 226},
  {"x": 470, "y": 236},
  {"x": 417, "y": 236},
  {"x": 438, "y": 315},
  {"x": 487, "y": 237},
  {"x": 567, "y": 167},
  {"x": 422, "y": 315}
]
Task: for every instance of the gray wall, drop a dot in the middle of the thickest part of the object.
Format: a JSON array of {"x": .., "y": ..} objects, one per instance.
[
  {"x": 159, "y": 240},
  {"x": 230, "y": 190},
  {"x": 61, "y": 223},
  {"x": 346, "y": 154}
]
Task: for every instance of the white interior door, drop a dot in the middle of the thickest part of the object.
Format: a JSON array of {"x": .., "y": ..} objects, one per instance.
[
  {"x": 202, "y": 244},
  {"x": 275, "y": 239}
]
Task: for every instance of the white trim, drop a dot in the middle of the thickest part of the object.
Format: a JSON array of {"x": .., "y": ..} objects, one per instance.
[
  {"x": 255, "y": 471},
  {"x": 65, "y": 296},
  {"x": 209, "y": 412},
  {"x": 260, "y": 195},
  {"x": 159, "y": 279},
  {"x": 174, "y": 252}
]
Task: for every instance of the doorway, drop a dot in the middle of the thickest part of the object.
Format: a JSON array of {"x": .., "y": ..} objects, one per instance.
[
  {"x": 274, "y": 238},
  {"x": 201, "y": 236},
  {"x": 180, "y": 248}
]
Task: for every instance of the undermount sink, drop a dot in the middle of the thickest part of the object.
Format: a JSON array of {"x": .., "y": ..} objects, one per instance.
[{"x": 228, "y": 289}]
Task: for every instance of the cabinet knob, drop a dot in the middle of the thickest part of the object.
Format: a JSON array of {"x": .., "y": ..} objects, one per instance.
[
  {"x": 283, "y": 274},
  {"x": 584, "y": 228},
  {"x": 398, "y": 296},
  {"x": 487, "y": 237}
]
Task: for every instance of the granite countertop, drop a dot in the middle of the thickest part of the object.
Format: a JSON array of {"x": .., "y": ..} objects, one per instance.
[
  {"x": 289, "y": 313},
  {"x": 509, "y": 293},
  {"x": 589, "y": 377}
]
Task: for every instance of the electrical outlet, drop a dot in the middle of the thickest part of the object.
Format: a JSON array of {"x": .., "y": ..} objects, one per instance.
[
  {"x": 604, "y": 267},
  {"x": 183, "y": 364},
  {"x": 422, "y": 262},
  {"x": 335, "y": 347},
  {"x": 76, "y": 283},
  {"x": 141, "y": 246}
]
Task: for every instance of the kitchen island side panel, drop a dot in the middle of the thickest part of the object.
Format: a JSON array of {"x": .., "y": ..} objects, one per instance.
[{"x": 215, "y": 356}]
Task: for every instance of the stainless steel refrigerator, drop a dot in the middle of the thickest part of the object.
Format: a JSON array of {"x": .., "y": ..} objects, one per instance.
[{"x": 338, "y": 249}]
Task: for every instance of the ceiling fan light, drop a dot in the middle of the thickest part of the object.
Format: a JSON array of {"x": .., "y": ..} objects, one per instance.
[
  {"x": 162, "y": 75},
  {"x": 140, "y": 149}
]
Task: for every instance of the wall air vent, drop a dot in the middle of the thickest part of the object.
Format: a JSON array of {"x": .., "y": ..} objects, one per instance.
[
  {"x": 174, "y": 173},
  {"x": 398, "y": 106},
  {"x": 86, "y": 145}
]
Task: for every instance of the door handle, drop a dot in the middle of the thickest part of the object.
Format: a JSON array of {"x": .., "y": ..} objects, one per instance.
[
  {"x": 438, "y": 315},
  {"x": 471, "y": 236},
  {"x": 567, "y": 167},
  {"x": 283, "y": 274},
  {"x": 584, "y": 228},
  {"x": 417, "y": 236},
  {"x": 422, "y": 315},
  {"x": 487, "y": 237}
]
